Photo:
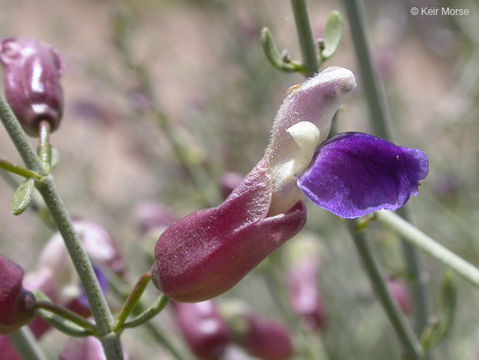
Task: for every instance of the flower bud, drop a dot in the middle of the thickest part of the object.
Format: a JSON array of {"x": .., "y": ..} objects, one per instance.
[
  {"x": 265, "y": 339},
  {"x": 302, "y": 279},
  {"x": 88, "y": 348},
  {"x": 228, "y": 181},
  {"x": 32, "y": 82},
  {"x": 16, "y": 303},
  {"x": 203, "y": 328},
  {"x": 400, "y": 293},
  {"x": 150, "y": 215}
]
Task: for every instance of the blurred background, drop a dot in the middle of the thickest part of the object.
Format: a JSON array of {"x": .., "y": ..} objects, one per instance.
[{"x": 145, "y": 77}]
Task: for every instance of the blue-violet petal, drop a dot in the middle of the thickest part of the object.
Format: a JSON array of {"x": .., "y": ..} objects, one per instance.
[{"x": 354, "y": 174}]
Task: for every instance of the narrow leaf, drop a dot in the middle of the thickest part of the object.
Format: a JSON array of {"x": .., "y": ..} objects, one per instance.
[
  {"x": 332, "y": 34},
  {"x": 22, "y": 197}
]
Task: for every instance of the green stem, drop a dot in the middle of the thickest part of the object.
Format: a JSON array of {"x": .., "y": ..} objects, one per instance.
[
  {"x": 26, "y": 345},
  {"x": 44, "y": 144},
  {"x": 305, "y": 36},
  {"x": 382, "y": 126},
  {"x": 15, "y": 169},
  {"x": 149, "y": 313},
  {"x": 100, "y": 311},
  {"x": 131, "y": 301},
  {"x": 406, "y": 336},
  {"x": 430, "y": 246},
  {"x": 66, "y": 314},
  {"x": 118, "y": 286}
]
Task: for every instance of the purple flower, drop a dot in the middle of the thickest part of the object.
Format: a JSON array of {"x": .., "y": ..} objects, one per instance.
[
  {"x": 203, "y": 328},
  {"x": 206, "y": 253},
  {"x": 32, "y": 82},
  {"x": 88, "y": 348},
  {"x": 264, "y": 338},
  {"x": 16, "y": 303},
  {"x": 400, "y": 293}
]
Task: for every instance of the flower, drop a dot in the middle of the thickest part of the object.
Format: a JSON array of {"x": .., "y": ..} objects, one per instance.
[
  {"x": 263, "y": 338},
  {"x": 302, "y": 278},
  {"x": 88, "y": 348},
  {"x": 206, "y": 253},
  {"x": 16, "y": 303},
  {"x": 400, "y": 293},
  {"x": 55, "y": 275},
  {"x": 32, "y": 82},
  {"x": 203, "y": 328}
]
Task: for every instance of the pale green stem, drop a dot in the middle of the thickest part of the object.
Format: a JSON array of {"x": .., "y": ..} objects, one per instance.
[
  {"x": 100, "y": 311},
  {"x": 18, "y": 170},
  {"x": 65, "y": 314},
  {"x": 149, "y": 313},
  {"x": 44, "y": 144},
  {"x": 119, "y": 287},
  {"x": 382, "y": 125},
  {"x": 406, "y": 336},
  {"x": 305, "y": 37},
  {"x": 26, "y": 345},
  {"x": 131, "y": 301},
  {"x": 430, "y": 246}
]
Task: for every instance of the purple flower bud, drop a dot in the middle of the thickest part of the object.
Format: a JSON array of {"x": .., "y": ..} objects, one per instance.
[
  {"x": 400, "y": 293},
  {"x": 150, "y": 215},
  {"x": 203, "y": 328},
  {"x": 98, "y": 243},
  {"x": 32, "y": 82},
  {"x": 16, "y": 303},
  {"x": 266, "y": 339},
  {"x": 206, "y": 253},
  {"x": 228, "y": 181},
  {"x": 302, "y": 277},
  {"x": 305, "y": 297},
  {"x": 88, "y": 348}
]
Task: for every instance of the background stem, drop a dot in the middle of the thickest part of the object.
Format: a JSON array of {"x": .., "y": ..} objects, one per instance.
[
  {"x": 26, "y": 345},
  {"x": 406, "y": 336},
  {"x": 430, "y": 246},
  {"x": 305, "y": 37},
  {"x": 382, "y": 127}
]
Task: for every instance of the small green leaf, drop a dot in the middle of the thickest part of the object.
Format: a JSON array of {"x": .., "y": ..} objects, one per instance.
[
  {"x": 437, "y": 331},
  {"x": 272, "y": 53},
  {"x": 23, "y": 197},
  {"x": 332, "y": 34}
]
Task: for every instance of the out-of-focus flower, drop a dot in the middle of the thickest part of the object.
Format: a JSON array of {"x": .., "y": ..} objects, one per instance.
[
  {"x": 32, "y": 82},
  {"x": 88, "y": 348},
  {"x": 263, "y": 338},
  {"x": 228, "y": 181},
  {"x": 203, "y": 328},
  {"x": 208, "y": 252},
  {"x": 302, "y": 277},
  {"x": 16, "y": 303},
  {"x": 400, "y": 293},
  {"x": 7, "y": 349},
  {"x": 150, "y": 215},
  {"x": 56, "y": 276}
]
